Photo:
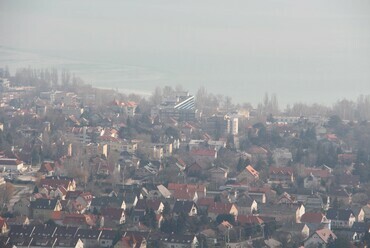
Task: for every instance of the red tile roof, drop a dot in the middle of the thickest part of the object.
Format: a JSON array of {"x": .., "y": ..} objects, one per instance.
[
  {"x": 204, "y": 153},
  {"x": 220, "y": 208},
  {"x": 325, "y": 233},
  {"x": 112, "y": 213},
  {"x": 249, "y": 219},
  {"x": 252, "y": 171},
  {"x": 312, "y": 218}
]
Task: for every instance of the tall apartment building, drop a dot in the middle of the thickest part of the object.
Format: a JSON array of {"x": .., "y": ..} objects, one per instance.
[{"x": 181, "y": 106}]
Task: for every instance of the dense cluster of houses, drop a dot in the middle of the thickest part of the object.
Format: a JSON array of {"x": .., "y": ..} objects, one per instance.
[{"x": 114, "y": 176}]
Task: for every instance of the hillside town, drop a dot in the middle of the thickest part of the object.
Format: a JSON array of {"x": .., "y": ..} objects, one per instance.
[{"x": 87, "y": 167}]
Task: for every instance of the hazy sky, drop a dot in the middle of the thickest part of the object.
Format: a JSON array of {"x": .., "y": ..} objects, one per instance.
[{"x": 302, "y": 50}]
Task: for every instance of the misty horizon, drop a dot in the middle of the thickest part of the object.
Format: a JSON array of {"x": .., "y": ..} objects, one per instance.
[{"x": 314, "y": 51}]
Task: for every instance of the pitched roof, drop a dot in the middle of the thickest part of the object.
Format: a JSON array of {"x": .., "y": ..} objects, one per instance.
[
  {"x": 112, "y": 213},
  {"x": 88, "y": 234},
  {"x": 325, "y": 234},
  {"x": 195, "y": 187},
  {"x": 42, "y": 203},
  {"x": 183, "y": 206},
  {"x": 339, "y": 214},
  {"x": 252, "y": 171},
  {"x": 65, "y": 232},
  {"x": 312, "y": 217},
  {"x": 220, "y": 208},
  {"x": 2, "y": 222},
  {"x": 257, "y": 150},
  {"x": 281, "y": 170},
  {"x": 143, "y": 204},
  {"x": 206, "y": 201},
  {"x": 79, "y": 219},
  {"x": 104, "y": 201},
  {"x": 249, "y": 219},
  {"x": 317, "y": 172},
  {"x": 203, "y": 152},
  {"x": 179, "y": 239},
  {"x": 184, "y": 194},
  {"x": 54, "y": 182},
  {"x": 108, "y": 234}
]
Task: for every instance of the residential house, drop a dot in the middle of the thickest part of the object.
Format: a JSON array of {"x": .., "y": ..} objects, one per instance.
[
  {"x": 89, "y": 237},
  {"x": 54, "y": 182},
  {"x": 286, "y": 199},
  {"x": 11, "y": 164},
  {"x": 47, "y": 168},
  {"x": 257, "y": 153},
  {"x": 187, "y": 207},
  {"x": 3, "y": 226},
  {"x": 179, "y": 241},
  {"x": 218, "y": 208},
  {"x": 218, "y": 174},
  {"x": 71, "y": 243},
  {"x": 366, "y": 210},
  {"x": 321, "y": 238},
  {"x": 131, "y": 239},
  {"x": 298, "y": 229},
  {"x": 43, "y": 208},
  {"x": 199, "y": 188},
  {"x": 164, "y": 191},
  {"x": 261, "y": 195},
  {"x": 283, "y": 176},
  {"x": 80, "y": 220},
  {"x": 316, "y": 219},
  {"x": 84, "y": 200},
  {"x": 194, "y": 170},
  {"x": 341, "y": 218},
  {"x": 349, "y": 181},
  {"x": 341, "y": 195},
  {"x": 359, "y": 230},
  {"x": 185, "y": 194},
  {"x": 107, "y": 238},
  {"x": 247, "y": 205},
  {"x": 107, "y": 201},
  {"x": 65, "y": 232},
  {"x": 199, "y": 154},
  {"x": 300, "y": 211},
  {"x": 155, "y": 204},
  {"x": 113, "y": 217},
  {"x": 314, "y": 201},
  {"x": 282, "y": 157},
  {"x": 21, "y": 231},
  {"x": 18, "y": 220},
  {"x": 250, "y": 220},
  {"x": 248, "y": 175}
]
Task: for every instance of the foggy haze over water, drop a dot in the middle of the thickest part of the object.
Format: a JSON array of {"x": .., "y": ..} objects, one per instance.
[{"x": 304, "y": 51}]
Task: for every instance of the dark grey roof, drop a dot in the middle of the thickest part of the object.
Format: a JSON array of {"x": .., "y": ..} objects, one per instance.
[
  {"x": 44, "y": 231},
  {"x": 88, "y": 234},
  {"x": 108, "y": 234},
  {"x": 245, "y": 201},
  {"x": 360, "y": 227},
  {"x": 43, "y": 204},
  {"x": 339, "y": 214},
  {"x": 65, "y": 232},
  {"x": 104, "y": 201},
  {"x": 21, "y": 231},
  {"x": 183, "y": 206}
]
